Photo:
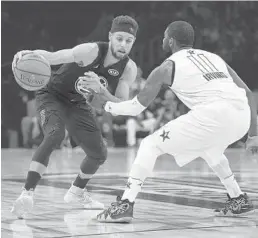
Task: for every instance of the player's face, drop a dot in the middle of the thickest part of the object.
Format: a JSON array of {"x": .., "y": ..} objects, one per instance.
[
  {"x": 166, "y": 45},
  {"x": 121, "y": 44}
]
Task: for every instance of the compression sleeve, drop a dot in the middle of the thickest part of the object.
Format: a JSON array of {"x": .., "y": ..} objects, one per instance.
[{"x": 131, "y": 107}]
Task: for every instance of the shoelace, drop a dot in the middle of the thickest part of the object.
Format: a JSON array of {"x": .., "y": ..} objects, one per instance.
[
  {"x": 118, "y": 201},
  {"x": 28, "y": 192},
  {"x": 234, "y": 203},
  {"x": 118, "y": 209},
  {"x": 86, "y": 196},
  {"x": 114, "y": 204}
]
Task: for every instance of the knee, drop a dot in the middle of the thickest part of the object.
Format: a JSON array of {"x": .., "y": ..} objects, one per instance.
[
  {"x": 103, "y": 155},
  {"x": 55, "y": 136}
]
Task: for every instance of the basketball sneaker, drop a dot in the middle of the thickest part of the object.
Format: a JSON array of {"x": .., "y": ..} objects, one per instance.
[
  {"x": 119, "y": 212},
  {"x": 240, "y": 205},
  {"x": 23, "y": 204},
  {"x": 83, "y": 197}
]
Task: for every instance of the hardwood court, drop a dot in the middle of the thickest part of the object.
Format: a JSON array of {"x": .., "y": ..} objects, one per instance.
[{"x": 175, "y": 202}]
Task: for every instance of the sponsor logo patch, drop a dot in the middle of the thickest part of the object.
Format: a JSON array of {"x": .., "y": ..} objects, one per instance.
[{"x": 113, "y": 72}]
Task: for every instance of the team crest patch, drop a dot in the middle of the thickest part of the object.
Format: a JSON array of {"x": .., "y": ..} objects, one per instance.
[
  {"x": 103, "y": 81},
  {"x": 113, "y": 72},
  {"x": 81, "y": 88}
]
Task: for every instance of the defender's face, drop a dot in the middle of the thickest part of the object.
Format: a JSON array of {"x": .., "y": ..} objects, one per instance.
[
  {"x": 121, "y": 44},
  {"x": 166, "y": 45}
]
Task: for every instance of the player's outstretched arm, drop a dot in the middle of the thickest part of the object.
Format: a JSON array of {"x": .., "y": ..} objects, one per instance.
[
  {"x": 158, "y": 77},
  {"x": 83, "y": 54},
  {"x": 238, "y": 81}
]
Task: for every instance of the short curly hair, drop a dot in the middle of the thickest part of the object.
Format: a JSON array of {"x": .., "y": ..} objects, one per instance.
[{"x": 182, "y": 32}]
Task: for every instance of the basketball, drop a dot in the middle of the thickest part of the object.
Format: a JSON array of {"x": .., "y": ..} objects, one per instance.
[{"x": 32, "y": 72}]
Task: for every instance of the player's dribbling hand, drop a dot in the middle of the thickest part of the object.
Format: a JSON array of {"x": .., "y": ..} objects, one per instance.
[
  {"x": 252, "y": 144},
  {"x": 18, "y": 56}
]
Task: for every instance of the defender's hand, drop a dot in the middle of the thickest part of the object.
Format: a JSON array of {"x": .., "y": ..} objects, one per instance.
[
  {"x": 96, "y": 100},
  {"x": 252, "y": 144}
]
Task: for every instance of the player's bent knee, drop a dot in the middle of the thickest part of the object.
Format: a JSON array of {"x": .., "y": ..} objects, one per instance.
[
  {"x": 55, "y": 136},
  {"x": 103, "y": 156},
  {"x": 147, "y": 154},
  {"x": 99, "y": 156}
]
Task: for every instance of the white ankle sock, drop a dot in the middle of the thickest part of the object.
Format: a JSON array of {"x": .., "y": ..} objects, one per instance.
[
  {"x": 226, "y": 176},
  {"x": 232, "y": 186},
  {"x": 133, "y": 187},
  {"x": 142, "y": 167},
  {"x": 77, "y": 190}
]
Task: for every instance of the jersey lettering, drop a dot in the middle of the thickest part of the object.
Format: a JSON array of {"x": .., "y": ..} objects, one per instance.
[{"x": 81, "y": 88}]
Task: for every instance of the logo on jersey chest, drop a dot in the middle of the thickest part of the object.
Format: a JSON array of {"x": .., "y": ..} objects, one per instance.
[
  {"x": 103, "y": 81},
  {"x": 113, "y": 72},
  {"x": 81, "y": 88}
]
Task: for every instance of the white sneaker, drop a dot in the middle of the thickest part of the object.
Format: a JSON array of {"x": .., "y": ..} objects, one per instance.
[
  {"x": 23, "y": 204},
  {"x": 82, "y": 196}
]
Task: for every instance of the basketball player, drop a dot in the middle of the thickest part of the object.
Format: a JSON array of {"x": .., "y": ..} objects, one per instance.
[
  {"x": 62, "y": 104},
  {"x": 219, "y": 116}
]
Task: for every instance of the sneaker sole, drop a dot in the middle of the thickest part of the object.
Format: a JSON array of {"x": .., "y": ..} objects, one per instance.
[
  {"x": 72, "y": 201},
  {"x": 20, "y": 210},
  {"x": 93, "y": 208},
  {"x": 20, "y": 215},
  {"x": 243, "y": 214},
  {"x": 119, "y": 220}
]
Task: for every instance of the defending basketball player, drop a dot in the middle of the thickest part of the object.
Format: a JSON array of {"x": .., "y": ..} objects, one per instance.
[
  {"x": 219, "y": 116},
  {"x": 64, "y": 103}
]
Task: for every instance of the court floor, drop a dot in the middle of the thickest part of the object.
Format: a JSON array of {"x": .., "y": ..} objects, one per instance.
[{"x": 175, "y": 202}]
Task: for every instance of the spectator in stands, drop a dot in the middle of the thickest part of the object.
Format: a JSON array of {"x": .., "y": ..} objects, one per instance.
[
  {"x": 32, "y": 134},
  {"x": 11, "y": 119}
]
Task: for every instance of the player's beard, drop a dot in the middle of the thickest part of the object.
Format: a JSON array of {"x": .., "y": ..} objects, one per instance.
[
  {"x": 114, "y": 53},
  {"x": 166, "y": 48}
]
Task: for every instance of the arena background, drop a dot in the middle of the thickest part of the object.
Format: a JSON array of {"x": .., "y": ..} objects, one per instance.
[
  {"x": 226, "y": 28},
  {"x": 174, "y": 202}
]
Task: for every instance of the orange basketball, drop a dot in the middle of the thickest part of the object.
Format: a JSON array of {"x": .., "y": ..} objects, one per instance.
[{"x": 32, "y": 72}]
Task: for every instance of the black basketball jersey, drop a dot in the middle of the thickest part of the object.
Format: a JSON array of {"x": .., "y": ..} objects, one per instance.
[{"x": 63, "y": 82}]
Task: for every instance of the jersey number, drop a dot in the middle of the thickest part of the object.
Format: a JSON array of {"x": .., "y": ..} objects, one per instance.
[
  {"x": 207, "y": 68},
  {"x": 202, "y": 63}
]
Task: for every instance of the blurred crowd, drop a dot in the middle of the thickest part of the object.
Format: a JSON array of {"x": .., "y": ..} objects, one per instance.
[{"x": 226, "y": 28}]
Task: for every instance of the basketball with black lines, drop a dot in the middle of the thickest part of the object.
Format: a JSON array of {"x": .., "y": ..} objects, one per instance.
[{"x": 32, "y": 72}]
